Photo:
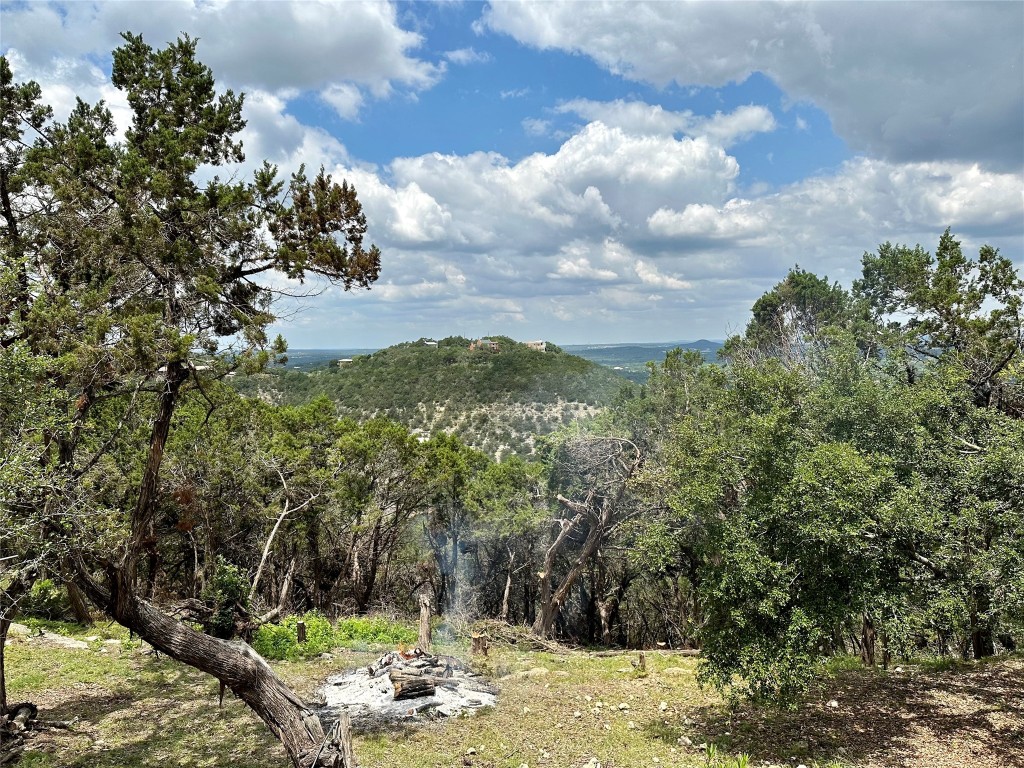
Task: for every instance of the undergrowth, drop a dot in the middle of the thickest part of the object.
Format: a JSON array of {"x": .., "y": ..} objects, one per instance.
[{"x": 280, "y": 641}]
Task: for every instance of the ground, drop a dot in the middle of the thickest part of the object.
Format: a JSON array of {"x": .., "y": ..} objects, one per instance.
[{"x": 131, "y": 708}]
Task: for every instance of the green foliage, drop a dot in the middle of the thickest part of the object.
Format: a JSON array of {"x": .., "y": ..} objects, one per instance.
[
  {"x": 813, "y": 482},
  {"x": 407, "y": 381},
  {"x": 46, "y": 600},
  {"x": 358, "y": 630},
  {"x": 224, "y": 594},
  {"x": 281, "y": 641}
]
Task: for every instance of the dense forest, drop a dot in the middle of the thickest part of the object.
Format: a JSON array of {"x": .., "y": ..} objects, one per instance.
[{"x": 847, "y": 478}]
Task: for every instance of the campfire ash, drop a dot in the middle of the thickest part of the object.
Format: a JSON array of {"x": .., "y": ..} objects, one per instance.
[{"x": 402, "y": 687}]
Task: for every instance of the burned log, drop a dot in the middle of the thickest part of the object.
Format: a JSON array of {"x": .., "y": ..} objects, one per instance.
[{"x": 410, "y": 685}]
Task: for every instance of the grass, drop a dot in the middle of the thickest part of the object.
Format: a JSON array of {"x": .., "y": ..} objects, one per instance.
[{"x": 555, "y": 709}]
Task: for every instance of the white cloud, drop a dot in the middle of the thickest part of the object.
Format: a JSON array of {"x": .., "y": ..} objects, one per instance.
[
  {"x": 638, "y": 117},
  {"x": 581, "y": 268},
  {"x": 536, "y": 127},
  {"x": 742, "y": 123},
  {"x": 465, "y": 56},
  {"x": 735, "y": 220},
  {"x": 566, "y": 244},
  {"x": 345, "y": 98},
  {"x": 649, "y": 275},
  {"x": 904, "y": 80},
  {"x": 268, "y": 46}
]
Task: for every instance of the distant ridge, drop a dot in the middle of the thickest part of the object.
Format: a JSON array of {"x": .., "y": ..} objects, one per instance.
[
  {"x": 631, "y": 360},
  {"x": 611, "y": 355}
]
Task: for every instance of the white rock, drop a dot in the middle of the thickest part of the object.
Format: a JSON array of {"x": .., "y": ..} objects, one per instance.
[{"x": 832, "y": 704}]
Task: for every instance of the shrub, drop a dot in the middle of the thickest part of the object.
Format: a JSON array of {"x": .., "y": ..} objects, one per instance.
[
  {"x": 375, "y": 629},
  {"x": 223, "y": 594},
  {"x": 47, "y": 600},
  {"x": 281, "y": 641}
]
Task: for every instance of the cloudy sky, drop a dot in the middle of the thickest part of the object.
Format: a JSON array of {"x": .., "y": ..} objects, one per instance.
[{"x": 597, "y": 172}]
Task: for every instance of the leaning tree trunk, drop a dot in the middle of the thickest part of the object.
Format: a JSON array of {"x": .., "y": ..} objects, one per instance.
[
  {"x": 545, "y": 618},
  {"x": 867, "y": 640},
  {"x": 234, "y": 664}
]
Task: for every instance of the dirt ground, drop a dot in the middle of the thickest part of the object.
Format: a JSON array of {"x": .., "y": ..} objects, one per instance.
[{"x": 968, "y": 717}]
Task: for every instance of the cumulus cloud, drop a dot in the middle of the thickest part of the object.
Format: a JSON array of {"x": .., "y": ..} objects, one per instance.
[
  {"x": 345, "y": 98},
  {"x": 638, "y": 117},
  {"x": 556, "y": 240},
  {"x": 336, "y": 49},
  {"x": 649, "y": 275},
  {"x": 901, "y": 80}
]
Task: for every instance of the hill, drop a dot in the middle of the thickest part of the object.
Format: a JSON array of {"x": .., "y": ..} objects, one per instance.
[
  {"x": 630, "y": 360},
  {"x": 497, "y": 396}
]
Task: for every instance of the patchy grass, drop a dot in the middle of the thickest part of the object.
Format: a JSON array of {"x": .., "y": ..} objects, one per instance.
[{"x": 560, "y": 710}]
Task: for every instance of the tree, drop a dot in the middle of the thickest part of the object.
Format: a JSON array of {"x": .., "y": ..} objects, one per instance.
[
  {"x": 950, "y": 305},
  {"x": 590, "y": 476},
  {"x": 827, "y": 498},
  {"x": 792, "y": 316},
  {"x": 451, "y": 467},
  {"x": 135, "y": 273}
]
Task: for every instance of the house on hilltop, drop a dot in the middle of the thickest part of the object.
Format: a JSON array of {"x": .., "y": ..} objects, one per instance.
[
  {"x": 485, "y": 344},
  {"x": 539, "y": 346}
]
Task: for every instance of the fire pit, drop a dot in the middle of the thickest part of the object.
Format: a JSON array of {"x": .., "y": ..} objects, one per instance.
[{"x": 402, "y": 687}]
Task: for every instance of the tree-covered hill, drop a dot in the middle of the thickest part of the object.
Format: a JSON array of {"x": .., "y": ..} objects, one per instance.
[{"x": 490, "y": 397}]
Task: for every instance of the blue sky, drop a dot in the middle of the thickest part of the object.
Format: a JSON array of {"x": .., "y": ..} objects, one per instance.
[{"x": 596, "y": 172}]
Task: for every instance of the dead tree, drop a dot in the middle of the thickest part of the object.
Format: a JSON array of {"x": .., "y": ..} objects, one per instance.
[{"x": 596, "y": 471}]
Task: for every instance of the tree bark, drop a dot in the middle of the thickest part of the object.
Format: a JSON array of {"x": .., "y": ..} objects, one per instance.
[
  {"x": 143, "y": 533},
  {"x": 78, "y": 605},
  {"x": 867, "y": 638},
  {"x": 9, "y": 599},
  {"x": 545, "y": 617},
  {"x": 424, "y": 638},
  {"x": 410, "y": 686},
  {"x": 266, "y": 552},
  {"x": 508, "y": 586},
  {"x": 234, "y": 664}
]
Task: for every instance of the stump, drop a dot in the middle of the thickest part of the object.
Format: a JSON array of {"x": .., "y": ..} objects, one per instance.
[
  {"x": 424, "y": 640},
  {"x": 479, "y": 644}
]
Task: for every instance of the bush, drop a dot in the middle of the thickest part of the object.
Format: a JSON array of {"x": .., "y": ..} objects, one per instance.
[
  {"x": 280, "y": 641},
  {"x": 376, "y": 629},
  {"x": 223, "y": 594},
  {"x": 47, "y": 600}
]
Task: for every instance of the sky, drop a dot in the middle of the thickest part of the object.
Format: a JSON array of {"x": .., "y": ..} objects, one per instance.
[{"x": 594, "y": 172}]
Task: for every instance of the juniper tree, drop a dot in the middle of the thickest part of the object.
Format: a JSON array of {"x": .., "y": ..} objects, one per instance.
[{"x": 139, "y": 273}]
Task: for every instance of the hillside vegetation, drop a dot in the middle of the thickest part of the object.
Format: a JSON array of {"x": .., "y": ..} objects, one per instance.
[{"x": 497, "y": 401}]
